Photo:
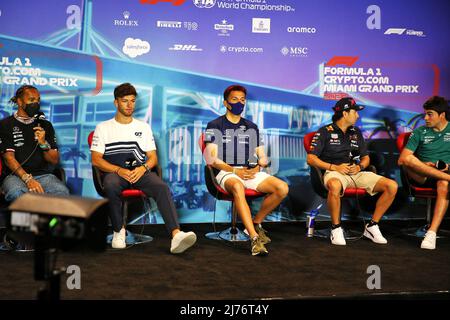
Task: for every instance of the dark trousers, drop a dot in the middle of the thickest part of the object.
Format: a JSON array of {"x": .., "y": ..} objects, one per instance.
[{"x": 152, "y": 186}]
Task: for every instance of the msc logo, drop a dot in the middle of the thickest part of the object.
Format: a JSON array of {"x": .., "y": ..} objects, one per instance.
[
  {"x": 204, "y": 3},
  {"x": 294, "y": 51},
  {"x": 185, "y": 47}
]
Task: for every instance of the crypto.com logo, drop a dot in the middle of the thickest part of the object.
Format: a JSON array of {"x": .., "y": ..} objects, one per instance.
[
  {"x": 204, "y": 3},
  {"x": 174, "y": 2}
]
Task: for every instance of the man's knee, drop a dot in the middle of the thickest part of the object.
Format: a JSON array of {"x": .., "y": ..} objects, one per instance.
[
  {"x": 390, "y": 187},
  {"x": 442, "y": 187},
  {"x": 60, "y": 189},
  {"x": 14, "y": 193},
  {"x": 282, "y": 189},
  {"x": 111, "y": 184},
  {"x": 237, "y": 189},
  {"x": 334, "y": 187},
  {"x": 162, "y": 187}
]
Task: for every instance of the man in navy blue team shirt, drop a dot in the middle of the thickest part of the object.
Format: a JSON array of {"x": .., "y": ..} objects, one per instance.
[
  {"x": 340, "y": 151},
  {"x": 234, "y": 148}
]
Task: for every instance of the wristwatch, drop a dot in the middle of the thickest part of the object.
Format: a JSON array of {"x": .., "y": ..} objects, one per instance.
[
  {"x": 45, "y": 147},
  {"x": 361, "y": 166},
  {"x": 146, "y": 167},
  {"x": 26, "y": 177}
]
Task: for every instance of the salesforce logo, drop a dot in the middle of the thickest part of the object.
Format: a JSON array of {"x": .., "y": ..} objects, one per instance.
[{"x": 204, "y": 3}]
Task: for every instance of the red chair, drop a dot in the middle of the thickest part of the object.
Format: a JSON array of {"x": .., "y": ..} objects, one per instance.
[
  {"x": 232, "y": 233},
  {"x": 127, "y": 196},
  {"x": 316, "y": 175},
  {"x": 415, "y": 191}
]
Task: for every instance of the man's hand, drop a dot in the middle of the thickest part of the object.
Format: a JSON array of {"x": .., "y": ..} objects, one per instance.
[
  {"x": 137, "y": 173},
  {"x": 39, "y": 134},
  {"x": 343, "y": 168},
  {"x": 354, "y": 169},
  {"x": 264, "y": 162},
  {"x": 124, "y": 173},
  {"x": 246, "y": 174},
  {"x": 34, "y": 186},
  {"x": 254, "y": 170}
]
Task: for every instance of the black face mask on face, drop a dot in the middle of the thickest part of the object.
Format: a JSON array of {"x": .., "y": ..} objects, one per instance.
[{"x": 31, "y": 109}]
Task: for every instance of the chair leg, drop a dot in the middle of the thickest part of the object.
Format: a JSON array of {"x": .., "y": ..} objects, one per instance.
[
  {"x": 232, "y": 234},
  {"x": 9, "y": 244},
  {"x": 421, "y": 231},
  {"x": 131, "y": 238}
]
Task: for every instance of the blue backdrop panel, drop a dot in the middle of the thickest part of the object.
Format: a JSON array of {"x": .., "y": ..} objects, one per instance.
[{"x": 295, "y": 58}]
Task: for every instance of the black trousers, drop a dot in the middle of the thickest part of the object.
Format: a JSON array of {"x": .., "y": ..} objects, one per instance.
[{"x": 152, "y": 186}]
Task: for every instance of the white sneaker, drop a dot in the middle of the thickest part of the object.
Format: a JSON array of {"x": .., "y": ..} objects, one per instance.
[
  {"x": 118, "y": 241},
  {"x": 429, "y": 241},
  {"x": 337, "y": 237},
  {"x": 374, "y": 234},
  {"x": 182, "y": 241}
]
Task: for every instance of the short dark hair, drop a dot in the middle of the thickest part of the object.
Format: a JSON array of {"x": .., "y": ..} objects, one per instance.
[
  {"x": 20, "y": 92},
  {"x": 438, "y": 104},
  {"x": 124, "y": 89},
  {"x": 234, "y": 87}
]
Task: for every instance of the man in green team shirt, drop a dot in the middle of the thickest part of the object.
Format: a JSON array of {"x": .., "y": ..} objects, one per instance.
[{"x": 426, "y": 158}]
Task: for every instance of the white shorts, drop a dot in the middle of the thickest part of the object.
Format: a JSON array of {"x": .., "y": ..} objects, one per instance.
[{"x": 253, "y": 184}]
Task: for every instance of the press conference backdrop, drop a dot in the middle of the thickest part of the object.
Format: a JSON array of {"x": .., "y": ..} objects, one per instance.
[{"x": 295, "y": 57}]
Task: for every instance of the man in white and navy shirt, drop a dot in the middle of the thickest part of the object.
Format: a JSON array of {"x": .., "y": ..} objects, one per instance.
[{"x": 124, "y": 149}]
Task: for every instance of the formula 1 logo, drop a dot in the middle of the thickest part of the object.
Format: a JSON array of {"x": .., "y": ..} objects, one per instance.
[
  {"x": 347, "y": 61},
  {"x": 401, "y": 31},
  {"x": 174, "y": 2},
  {"x": 398, "y": 31}
]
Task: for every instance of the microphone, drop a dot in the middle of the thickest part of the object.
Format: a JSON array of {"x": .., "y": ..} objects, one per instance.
[
  {"x": 131, "y": 163},
  {"x": 37, "y": 117},
  {"x": 355, "y": 157},
  {"x": 252, "y": 161},
  {"x": 441, "y": 165}
]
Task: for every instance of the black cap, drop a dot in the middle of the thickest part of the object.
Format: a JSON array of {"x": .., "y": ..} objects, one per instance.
[{"x": 346, "y": 104}]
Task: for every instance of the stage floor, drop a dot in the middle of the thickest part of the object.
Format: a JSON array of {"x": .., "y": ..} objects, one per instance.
[{"x": 297, "y": 267}]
